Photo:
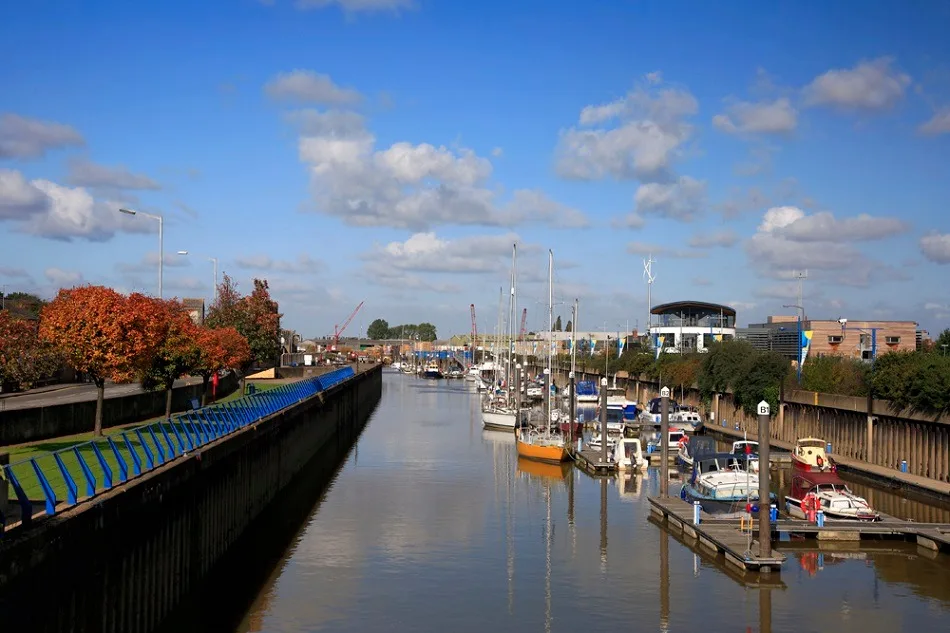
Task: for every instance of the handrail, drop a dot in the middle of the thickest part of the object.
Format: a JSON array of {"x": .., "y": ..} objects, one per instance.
[{"x": 98, "y": 465}]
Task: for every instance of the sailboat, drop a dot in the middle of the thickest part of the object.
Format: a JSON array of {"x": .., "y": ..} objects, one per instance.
[
  {"x": 542, "y": 445},
  {"x": 497, "y": 412}
]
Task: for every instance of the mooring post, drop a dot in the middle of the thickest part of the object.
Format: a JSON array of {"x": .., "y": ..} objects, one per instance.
[
  {"x": 765, "y": 528},
  {"x": 664, "y": 442},
  {"x": 603, "y": 420},
  {"x": 571, "y": 408}
]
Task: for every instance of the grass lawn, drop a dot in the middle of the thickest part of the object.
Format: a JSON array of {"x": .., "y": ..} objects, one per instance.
[{"x": 42, "y": 453}]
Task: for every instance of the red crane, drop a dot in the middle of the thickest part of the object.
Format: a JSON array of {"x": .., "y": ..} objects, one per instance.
[
  {"x": 337, "y": 331},
  {"x": 524, "y": 323}
]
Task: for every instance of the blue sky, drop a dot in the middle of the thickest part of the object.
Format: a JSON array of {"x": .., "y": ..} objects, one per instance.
[{"x": 393, "y": 150}]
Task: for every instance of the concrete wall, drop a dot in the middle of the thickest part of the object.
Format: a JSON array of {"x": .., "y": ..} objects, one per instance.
[
  {"x": 18, "y": 426},
  {"x": 124, "y": 561}
]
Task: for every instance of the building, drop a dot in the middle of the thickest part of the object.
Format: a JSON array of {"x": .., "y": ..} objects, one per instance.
[
  {"x": 923, "y": 339},
  {"x": 195, "y": 309},
  {"x": 839, "y": 337},
  {"x": 691, "y": 326}
]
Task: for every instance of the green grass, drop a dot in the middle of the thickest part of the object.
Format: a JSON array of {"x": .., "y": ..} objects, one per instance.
[{"x": 42, "y": 453}]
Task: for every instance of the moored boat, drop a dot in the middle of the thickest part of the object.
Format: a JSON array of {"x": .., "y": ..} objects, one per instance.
[
  {"x": 749, "y": 448},
  {"x": 722, "y": 485},
  {"x": 809, "y": 455},
  {"x": 587, "y": 391},
  {"x": 541, "y": 446},
  {"x": 693, "y": 447},
  {"x": 825, "y": 491},
  {"x": 432, "y": 371}
]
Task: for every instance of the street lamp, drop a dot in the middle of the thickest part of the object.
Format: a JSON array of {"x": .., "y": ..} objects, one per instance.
[
  {"x": 161, "y": 254},
  {"x": 801, "y": 316},
  {"x": 213, "y": 260}
]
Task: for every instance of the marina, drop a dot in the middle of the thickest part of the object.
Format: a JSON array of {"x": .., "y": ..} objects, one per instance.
[{"x": 433, "y": 521}]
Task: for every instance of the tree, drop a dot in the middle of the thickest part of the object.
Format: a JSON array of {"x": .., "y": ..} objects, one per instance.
[
  {"x": 721, "y": 366},
  {"x": 378, "y": 330},
  {"x": 835, "y": 374},
  {"x": 557, "y": 323},
  {"x": 24, "y": 358},
  {"x": 100, "y": 333},
  {"x": 226, "y": 309},
  {"x": 426, "y": 332},
  {"x": 758, "y": 378},
  {"x": 569, "y": 327},
  {"x": 262, "y": 322},
  {"x": 177, "y": 354},
  {"x": 219, "y": 349},
  {"x": 23, "y": 304},
  {"x": 942, "y": 344}
]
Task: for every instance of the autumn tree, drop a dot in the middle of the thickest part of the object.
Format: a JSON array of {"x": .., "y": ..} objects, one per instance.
[
  {"x": 102, "y": 334},
  {"x": 178, "y": 352},
  {"x": 221, "y": 348},
  {"x": 255, "y": 316},
  {"x": 24, "y": 358}
]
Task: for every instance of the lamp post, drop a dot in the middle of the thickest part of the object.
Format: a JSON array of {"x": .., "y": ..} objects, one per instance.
[
  {"x": 801, "y": 316},
  {"x": 214, "y": 261},
  {"x": 161, "y": 253}
]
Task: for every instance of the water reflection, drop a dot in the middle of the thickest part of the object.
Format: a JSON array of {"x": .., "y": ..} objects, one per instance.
[{"x": 438, "y": 526}]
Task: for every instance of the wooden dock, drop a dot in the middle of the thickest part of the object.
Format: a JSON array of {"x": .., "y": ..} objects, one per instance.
[
  {"x": 717, "y": 535},
  {"x": 590, "y": 461},
  {"x": 934, "y": 536}
]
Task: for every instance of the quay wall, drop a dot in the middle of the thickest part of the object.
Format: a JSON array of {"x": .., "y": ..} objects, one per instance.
[
  {"x": 867, "y": 432},
  {"x": 18, "y": 426},
  {"x": 123, "y": 561}
]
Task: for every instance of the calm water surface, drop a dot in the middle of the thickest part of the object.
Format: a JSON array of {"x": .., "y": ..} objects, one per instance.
[{"x": 434, "y": 525}]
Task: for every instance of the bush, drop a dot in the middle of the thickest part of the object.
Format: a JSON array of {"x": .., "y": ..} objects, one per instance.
[{"x": 835, "y": 374}]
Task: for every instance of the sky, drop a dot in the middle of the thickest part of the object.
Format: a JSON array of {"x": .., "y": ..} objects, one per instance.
[{"x": 392, "y": 152}]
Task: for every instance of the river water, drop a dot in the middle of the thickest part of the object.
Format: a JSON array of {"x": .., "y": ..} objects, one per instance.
[{"x": 433, "y": 524}]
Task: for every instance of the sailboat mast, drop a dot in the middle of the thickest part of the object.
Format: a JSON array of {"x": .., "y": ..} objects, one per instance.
[
  {"x": 511, "y": 317},
  {"x": 550, "y": 380}
]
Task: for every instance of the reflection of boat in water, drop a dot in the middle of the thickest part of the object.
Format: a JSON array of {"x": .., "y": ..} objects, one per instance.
[
  {"x": 543, "y": 469},
  {"x": 498, "y": 437}
]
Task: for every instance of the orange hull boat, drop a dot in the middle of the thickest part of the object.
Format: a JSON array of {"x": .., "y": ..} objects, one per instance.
[{"x": 551, "y": 454}]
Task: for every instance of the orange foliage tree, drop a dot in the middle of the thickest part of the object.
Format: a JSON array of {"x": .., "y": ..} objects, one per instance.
[
  {"x": 221, "y": 348},
  {"x": 178, "y": 352},
  {"x": 24, "y": 358},
  {"x": 102, "y": 334}
]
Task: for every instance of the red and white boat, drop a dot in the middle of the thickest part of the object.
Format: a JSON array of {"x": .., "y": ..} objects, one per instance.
[
  {"x": 825, "y": 491},
  {"x": 809, "y": 456}
]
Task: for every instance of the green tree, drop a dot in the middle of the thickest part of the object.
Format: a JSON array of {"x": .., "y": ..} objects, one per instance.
[
  {"x": 569, "y": 327},
  {"x": 721, "y": 366},
  {"x": 758, "y": 378},
  {"x": 557, "y": 323},
  {"x": 254, "y": 316},
  {"x": 426, "y": 332},
  {"x": 23, "y": 304},
  {"x": 378, "y": 330},
  {"x": 836, "y": 374},
  {"x": 942, "y": 343}
]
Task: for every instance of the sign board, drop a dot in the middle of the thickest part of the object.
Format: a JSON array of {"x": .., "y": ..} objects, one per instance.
[
  {"x": 308, "y": 359},
  {"x": 764, "y": 408},
  {"x": 665, "y": 392}
]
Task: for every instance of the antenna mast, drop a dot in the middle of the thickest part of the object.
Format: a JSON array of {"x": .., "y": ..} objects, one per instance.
[
  {"x": 648, "y": 275},
  {"x": 801, "y": 275}
]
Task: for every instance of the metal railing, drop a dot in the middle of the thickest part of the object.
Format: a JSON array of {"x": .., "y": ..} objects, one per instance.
[{"x": 50, "y": 482}]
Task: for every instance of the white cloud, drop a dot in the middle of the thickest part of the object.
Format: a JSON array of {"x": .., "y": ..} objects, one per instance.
[
  {"x": 639, "y": 137},
  {"x": 792, "y": 223},
  {"x": 149, "y": 263},
  {"x": 634, "y": 221},
  {"x": 306, "y": 86},
  {"x": 411, "y": 186},
  {"x": 85, "y": 173},
  {"x": 303, "y": 264},
  {"x": 939, "y": 123},
  {"x": 726, "y": 239},
  {"x": 19, "y": 199},
  {"x": 61, "y": 277},
  {"x": 871, "y": 85},
  {"x": 359, "y": 6},
  {"x": 497, "y": 152},
  {"x": 789, "y": 239},
  {"x": 739, "y": 202},
  {"x": 22, "y": 137},
  {"x": 936, "y": 247},
  {"x": 73, "y": 212},
  {"x": 682, "y": 199},
  {"x": 426, "y": 252},
  {"x": 645, "y": 248},
  {"x": 332, "y": 123},
  {"x": 763, "y": 117}
]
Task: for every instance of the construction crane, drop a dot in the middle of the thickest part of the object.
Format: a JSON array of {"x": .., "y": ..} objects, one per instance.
[
  {"x": 524, "y": 324},
  {"x": 474, "y": 331},
  {"x": 337, "y": 331}
]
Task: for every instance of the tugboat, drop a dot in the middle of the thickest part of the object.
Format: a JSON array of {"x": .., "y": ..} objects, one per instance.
[
  {"x": 432, "y": 371},
  {"x": 809, "y": 456}
]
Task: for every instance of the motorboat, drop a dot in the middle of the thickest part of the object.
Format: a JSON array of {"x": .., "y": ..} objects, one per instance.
[
  {"x": 455, "y": 374},
  {"x": 691, "y": 447},
  {"x": 675, "y": 436},
  {"x": 595, "y": 442},
  {"x": 654, "y": 410},
  {"x": 587, "y": 391},
  {"x": 723, "y": 485},
  {"x": 809, "y": 455},
  {"x": 432, "y": 371},
  {"x": 749, "y": 448},
  {"x": 688, "y": 419},
  {"x": 534, "y": 391},
  {"x": 628, "y": 454},
  {"x": 617, "y": 400},
  {"x": 473, "y": 373},
  {"x": 825, "y": 491},
  {"x": 542, "y": 446}
]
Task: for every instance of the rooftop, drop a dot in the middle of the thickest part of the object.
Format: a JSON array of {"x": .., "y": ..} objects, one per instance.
[{"x": 665, "y": 308}]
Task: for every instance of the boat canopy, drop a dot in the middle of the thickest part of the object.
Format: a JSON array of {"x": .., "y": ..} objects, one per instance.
[
  {"x": 587, "y": 388},
  {"x": 700, "y": 445}
]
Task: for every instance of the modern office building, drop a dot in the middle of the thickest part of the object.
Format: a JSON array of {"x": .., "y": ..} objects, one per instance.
[
  {"x": 691, "y": 326},
  {"x": 839, "y": 337}
]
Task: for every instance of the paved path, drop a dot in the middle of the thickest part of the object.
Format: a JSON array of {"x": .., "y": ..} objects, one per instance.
[{"x": 79, "y": 392}]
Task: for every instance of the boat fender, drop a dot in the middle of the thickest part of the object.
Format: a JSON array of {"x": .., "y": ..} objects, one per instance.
[{"x": 683, "y": 493}]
